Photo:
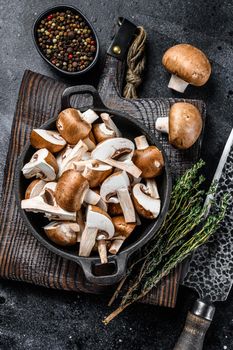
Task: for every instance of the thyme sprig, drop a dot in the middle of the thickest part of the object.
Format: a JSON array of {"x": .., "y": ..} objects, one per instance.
[{"x": 185, "y": 228}]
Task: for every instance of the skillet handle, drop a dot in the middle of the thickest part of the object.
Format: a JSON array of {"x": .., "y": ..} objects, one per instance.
[
  {"x": 79, "y": 90},
  {"x": 120, "y": 262}
]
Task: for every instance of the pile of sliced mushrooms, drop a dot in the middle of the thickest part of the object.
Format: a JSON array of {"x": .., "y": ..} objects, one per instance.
[{"x": 91, "y": 183}]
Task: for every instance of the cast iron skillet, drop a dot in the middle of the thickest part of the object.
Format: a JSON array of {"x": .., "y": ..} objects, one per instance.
[{"x": 130, "y": 128}]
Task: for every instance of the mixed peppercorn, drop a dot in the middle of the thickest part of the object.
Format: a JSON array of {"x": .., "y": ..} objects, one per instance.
[{"x": 67, "y": 41}]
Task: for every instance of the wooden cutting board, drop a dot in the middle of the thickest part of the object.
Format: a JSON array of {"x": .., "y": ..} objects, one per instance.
[{"x": 22, "y": 257}]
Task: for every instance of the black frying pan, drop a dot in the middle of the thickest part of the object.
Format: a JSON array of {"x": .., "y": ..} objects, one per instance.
[{"x": 130, "y": 128}]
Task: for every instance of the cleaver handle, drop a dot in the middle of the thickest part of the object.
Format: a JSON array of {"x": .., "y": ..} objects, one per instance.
[{"x": 196, "y": 326}]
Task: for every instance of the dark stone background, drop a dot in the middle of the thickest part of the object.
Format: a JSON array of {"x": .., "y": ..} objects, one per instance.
[{"x": 37, "y": 318}]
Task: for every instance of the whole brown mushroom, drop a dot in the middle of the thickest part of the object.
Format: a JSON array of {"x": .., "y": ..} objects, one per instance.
[
  {"x": 72, "y": 126},
  {"x": 184, "y": 125},
  {"x": 148, "y": 159},
  {"x": 62, "y": 233},
  {"x": 188, "y": 65},
  {"x": 71, "y": 190}
]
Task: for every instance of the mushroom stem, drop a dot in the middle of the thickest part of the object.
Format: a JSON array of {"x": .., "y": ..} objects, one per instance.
[
  {"x": 102, "y": 249},
  {"x": 152, "y": 187},
  {"x": 128, "y": 166},
  {"x": 87, "y": 241},
  {"x": 126, "y": 205},
  {"x": 141, "y": 142},
  {"x": 162, "y": 124},
  {"x": 91, "y": 197},
  {"x": 116, "y": 245},
  {"x": 177, "y": 84},
  {"x": 110, "y": 124}
]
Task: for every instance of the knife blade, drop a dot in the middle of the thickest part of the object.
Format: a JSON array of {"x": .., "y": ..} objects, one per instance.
[{"x": 210, "y": 270}]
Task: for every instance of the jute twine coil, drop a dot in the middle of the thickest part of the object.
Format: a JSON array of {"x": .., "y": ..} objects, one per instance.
[{"x": 136, "y": 60}]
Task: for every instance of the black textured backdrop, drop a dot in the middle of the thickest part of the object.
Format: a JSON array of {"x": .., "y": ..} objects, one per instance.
[{"x": 37, "y": 318}]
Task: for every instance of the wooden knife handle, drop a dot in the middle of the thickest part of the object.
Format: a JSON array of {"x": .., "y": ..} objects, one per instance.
[{"x": 196, "y": 326}]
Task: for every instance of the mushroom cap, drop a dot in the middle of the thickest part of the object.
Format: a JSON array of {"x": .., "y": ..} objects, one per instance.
[
  {"x": 71, "y": 190},
  {"x": 149, "y": 160},
  {"x": 121, "y": 227},
  {"x": 71, "y": 126},
  {"x": 145, "y": 205},
  {"x": 49, "y": 139},
  {"x": 185, "y": 125},
  {"x": 62, "y": 233},
  {"x": 187, "y": 62}
]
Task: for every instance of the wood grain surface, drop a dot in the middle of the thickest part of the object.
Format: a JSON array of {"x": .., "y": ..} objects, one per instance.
[{"x": 22, "y": 257}]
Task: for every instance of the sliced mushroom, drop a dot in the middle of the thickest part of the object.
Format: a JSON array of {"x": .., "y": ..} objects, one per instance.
[
  {"x": 115, "y": 189},
  {"x": 34, "y": 188},
  {"x": 109, "y": 123},
  {"x": 97, "y": 220},
  {"x": 72, "y": 190},
  {"x": 117, "y": 147},
  {"x": 146, "y": 199},
  {"x": 184, "y": 125},
  {"x": 102, "y": 133},
  {"x": 96, "y": 173},
  {"x": 122, "y": 231},
  {"x": 51, "y": 140},
  {"x": 72, "y": 126},
  {"x": 90, "y": 142},
  {"x": 188, "y": 65},
  {"x": 43, "y": 165},
  {"x": 148, "y": 158},
  {"x": 71, "y": 155},
  {"x": 101, "y": 203},
  {"x": 62, "y": 233},
  {"x": 38, "y": 205}
]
